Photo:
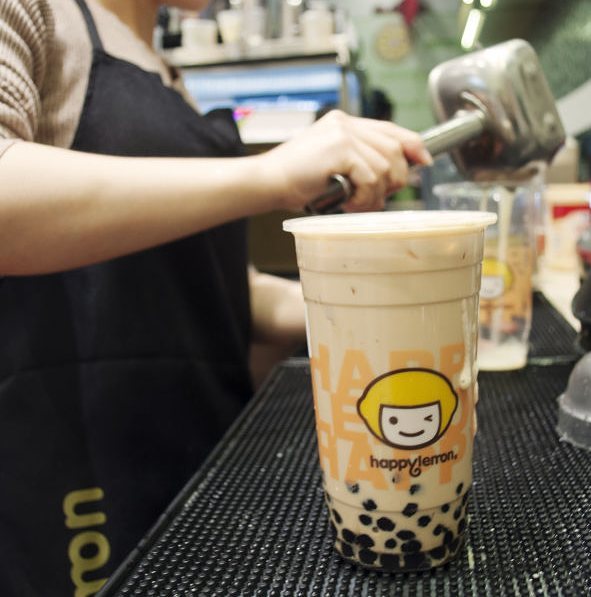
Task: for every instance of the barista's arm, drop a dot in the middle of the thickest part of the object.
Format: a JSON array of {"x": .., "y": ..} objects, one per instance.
[
  {"x": 277, "y": 308},
  {"x": 61, "y": 209}
]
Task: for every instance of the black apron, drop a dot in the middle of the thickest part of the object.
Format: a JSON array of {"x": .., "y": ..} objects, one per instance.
[{"x": 117, "y": 379}]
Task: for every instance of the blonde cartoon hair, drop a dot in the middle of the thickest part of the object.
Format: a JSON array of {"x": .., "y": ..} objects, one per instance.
[
  {"x": 407, "y": 388},
  {"x": 495, "y": 268}
]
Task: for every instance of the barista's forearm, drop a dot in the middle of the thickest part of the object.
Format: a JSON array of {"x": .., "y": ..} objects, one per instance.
[
  {"x": 277, "y": 308},
  {"x": 61, "y": 209}
]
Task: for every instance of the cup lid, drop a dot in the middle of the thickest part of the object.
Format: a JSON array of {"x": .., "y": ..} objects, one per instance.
[
  {"x": 574, "y": 406},
  {"x": 391, "y": 223}
]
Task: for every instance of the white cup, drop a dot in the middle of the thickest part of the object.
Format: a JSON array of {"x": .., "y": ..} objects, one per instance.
[
  {"x": 392, "y": 322},
  {"x": 316, "y": 26},
  {"x": 255, "y": 19},
  {"x": 230, "y": 23},
  {"x": 198, "y": 33}
]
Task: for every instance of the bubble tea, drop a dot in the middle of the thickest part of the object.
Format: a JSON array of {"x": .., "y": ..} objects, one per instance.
[{"x": 392, "y": 324}]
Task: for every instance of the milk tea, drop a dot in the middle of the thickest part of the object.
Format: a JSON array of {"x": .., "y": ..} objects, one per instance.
[{"x": 392, "y": 316}]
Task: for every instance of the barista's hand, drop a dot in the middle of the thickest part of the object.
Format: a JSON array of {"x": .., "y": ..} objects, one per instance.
[{"x": 373, "y": 154}]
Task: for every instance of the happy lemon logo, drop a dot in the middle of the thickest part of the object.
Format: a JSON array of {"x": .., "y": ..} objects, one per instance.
[
  {"x": 408, "y": 408},
  {"x": 497, "y": 278}
]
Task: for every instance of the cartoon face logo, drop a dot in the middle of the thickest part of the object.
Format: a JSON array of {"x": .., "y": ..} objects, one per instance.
[
  {"x": 407, "y": 425},
  {"x": 497, "y": 278},
  {"x": 408, "y": 408}
]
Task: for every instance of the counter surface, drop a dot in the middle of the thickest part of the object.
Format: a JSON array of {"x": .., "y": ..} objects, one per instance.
[{"x": 252, "y": 521}]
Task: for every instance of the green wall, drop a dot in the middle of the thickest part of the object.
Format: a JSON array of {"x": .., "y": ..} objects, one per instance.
[
  {"x": 434, "y": 38},
  {"x": 561, "y": 34},
  {"x": 559, "y": 30}
]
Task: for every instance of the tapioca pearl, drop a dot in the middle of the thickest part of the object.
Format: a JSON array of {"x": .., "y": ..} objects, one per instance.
[
  {"x": 348, "y": 536},
  {"x": 448, "y": 537},
  {"x": 365, "y": 519},
  {"x": 367, "y": 556},
  {"x": 453, "y": 546},
  {"x": 410, "y": 509},
  {"x": 459, "y": 488},
  {"x": 445, "y": 508},
  {"x": 352, "y": 487},
  {"x": 365, "y": 540},
  {"x": 369, "y": 505},
  {"x": 337, "y": 516},
  {"x": 465, "y": 498},
  {"x": 414, "y": 488},
  {"x": 390, "y": 543},
  {"x": 411, "y": 546},
  {"x": 461, "y": 526},
  {"x": 424, "y": 521},
  {"x": 405, "y": 535},
  {"x": 414, "y": 560},
  {"x": 346, "y": 550},
  {"x": 438, "y": 553},
  {"x": 390, "y": 561},
  {"x": 438, "y": 529},
  {"x": 385, "y": 524}
]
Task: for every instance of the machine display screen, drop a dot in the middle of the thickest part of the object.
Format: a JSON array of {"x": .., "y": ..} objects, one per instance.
[{"x": 271, "y": 103}]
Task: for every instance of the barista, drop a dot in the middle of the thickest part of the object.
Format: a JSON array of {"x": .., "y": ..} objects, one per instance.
[{"x": 126, "y": 305}]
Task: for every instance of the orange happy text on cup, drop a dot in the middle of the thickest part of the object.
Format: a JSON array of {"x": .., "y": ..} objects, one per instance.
[{"x": 344, "y": 426}]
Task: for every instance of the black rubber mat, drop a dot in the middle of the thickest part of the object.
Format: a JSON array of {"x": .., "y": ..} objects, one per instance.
[
  {"x": 552, "y": 337},
  {"x": 252, "y": 522}
]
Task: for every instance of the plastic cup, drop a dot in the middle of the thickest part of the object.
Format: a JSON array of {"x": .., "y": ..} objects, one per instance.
[
  {"x": 509, "y": 259},
  {"x": 316, "y": 26},
  {"x": 255, "y": 24},
  {"x": 391, "y": 308},
  {"x": 198, "y": 33},
  {"x": 230, "y": 23},
  {"x": 574, "y": 406}
]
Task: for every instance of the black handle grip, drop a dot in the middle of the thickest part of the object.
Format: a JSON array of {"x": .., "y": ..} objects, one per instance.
[{"x": 339, "y": 190}]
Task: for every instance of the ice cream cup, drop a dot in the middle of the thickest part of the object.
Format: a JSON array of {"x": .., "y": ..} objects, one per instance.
[{"x": 392, "y": 322}]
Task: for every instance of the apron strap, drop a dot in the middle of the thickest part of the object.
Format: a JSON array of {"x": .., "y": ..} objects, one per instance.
[{"x": 97, "y": 44}]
